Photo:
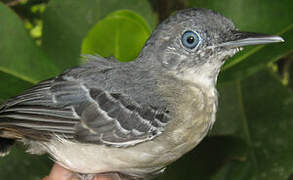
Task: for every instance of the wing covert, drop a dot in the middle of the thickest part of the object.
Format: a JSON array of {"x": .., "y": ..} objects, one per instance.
[
  {"x": 116, "y": 120},
  {"x": 71, "y": 109}
]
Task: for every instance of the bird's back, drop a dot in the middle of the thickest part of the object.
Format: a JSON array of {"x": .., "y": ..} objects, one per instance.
[{"x": 80, "y": 104}]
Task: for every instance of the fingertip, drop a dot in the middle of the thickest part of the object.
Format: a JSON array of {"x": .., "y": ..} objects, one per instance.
[
  {"x": 46, "y": 178},
  {"x": 60, "y": 173}
]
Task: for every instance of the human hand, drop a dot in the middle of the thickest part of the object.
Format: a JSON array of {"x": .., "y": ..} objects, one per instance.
[{"x": 60, "y": 173}]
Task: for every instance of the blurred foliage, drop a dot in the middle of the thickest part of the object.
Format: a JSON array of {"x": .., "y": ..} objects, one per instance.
[
  {"x": 110, "y": 32},
  {"x": 66, "y": 23},
  {"x": 252, "y": 135},
  {"x": 20, "y": 57},
  {"x": 23, "y": 166}
]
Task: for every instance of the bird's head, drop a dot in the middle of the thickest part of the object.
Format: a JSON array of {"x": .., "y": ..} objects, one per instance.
[{"x": 194, "y": 43}]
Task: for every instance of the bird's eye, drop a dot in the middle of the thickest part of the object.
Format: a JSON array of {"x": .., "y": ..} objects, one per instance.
[{"x": 190, "y": 39}]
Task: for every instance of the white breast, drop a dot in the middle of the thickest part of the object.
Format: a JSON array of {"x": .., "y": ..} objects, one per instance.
[{"x": 183, "y": 133}]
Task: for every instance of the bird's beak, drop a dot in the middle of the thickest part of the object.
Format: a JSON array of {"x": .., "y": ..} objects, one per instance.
[{"x": 239, "y": 39}]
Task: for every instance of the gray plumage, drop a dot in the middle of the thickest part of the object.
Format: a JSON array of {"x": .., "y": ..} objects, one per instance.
[
  {"x": 132, "y": 118},
  {"x": 89, "y": 104}
]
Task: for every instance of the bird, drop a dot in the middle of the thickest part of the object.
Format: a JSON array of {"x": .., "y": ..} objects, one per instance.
[{"x": 131, "y": 119}]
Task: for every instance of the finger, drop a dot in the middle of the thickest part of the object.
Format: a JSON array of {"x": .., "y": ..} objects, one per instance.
[
  {"x": 60, "y": 173},
  {"x": 46, "y": 178}
]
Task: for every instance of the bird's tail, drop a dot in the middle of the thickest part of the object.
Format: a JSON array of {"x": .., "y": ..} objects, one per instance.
[
  {"x": 5, "y": 145},
  {"x": 8, "y": 135}
]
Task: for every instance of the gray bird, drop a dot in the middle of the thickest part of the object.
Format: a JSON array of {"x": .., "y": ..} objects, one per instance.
[{"x": 130, "y": 119}]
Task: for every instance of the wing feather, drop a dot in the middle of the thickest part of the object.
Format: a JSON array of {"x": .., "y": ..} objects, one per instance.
[
  {"x": 70, "y": 108},
  {"x": 116, "y": 120}
]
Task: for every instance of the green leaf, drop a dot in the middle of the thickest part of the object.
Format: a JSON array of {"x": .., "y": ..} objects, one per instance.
[
  {"x": 20, "y": 56},
  {"x": 265, "y": 16},
  {"x": 121, "y": 34},
  {"x": 260, "y": 112},
  {"x": 20, "y": 165},
  {"x": 11, "y": 86},
  {"x": 66, "y": 23},
  {"x": 206, "y": 159}
]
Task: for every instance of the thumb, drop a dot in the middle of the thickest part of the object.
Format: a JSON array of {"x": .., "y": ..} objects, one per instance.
[{"x": 60, "y": 173}]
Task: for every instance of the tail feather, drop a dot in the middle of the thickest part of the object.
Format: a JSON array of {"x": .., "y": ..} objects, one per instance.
[{"x": 5, "y": 146}]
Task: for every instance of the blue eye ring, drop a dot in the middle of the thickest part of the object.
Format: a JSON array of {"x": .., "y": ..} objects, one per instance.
[{"x": 190, "y": 39}]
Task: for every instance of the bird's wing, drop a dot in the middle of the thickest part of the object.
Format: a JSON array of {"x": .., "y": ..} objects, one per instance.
[
  {"x": 89, "y": 115},
  {"x": 35, "y": 114},
  {"x": 115, "y": 119}
]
